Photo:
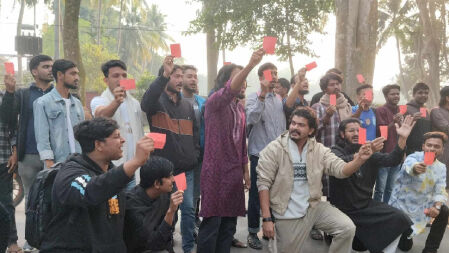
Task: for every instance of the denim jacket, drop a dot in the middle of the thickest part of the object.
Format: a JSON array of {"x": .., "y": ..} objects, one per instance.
[{"x": 50, "y": 125}]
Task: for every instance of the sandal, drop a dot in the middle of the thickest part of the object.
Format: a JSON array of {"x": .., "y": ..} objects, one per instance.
[
  {"x": 14, "y": 248},
  {"x": 316, "y": 234}
]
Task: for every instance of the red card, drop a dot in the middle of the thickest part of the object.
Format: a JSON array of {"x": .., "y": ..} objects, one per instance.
[
  {"x": 9, "y": 67},
  {"x": 159, "y": 139},
  {"x": 128, "y": 84},
  {"x": 402, "y": 109},
  {"x": 384, "y": 131},
  {"x": 311, "y": 66},
  {"x": 226, "y": 63},
  {"x": 181, "y": 182},
  {"x": 423, "y": 111},
  {"x": 267, "y": 75},
  {"x": 175, "y": 50},
  {"x": 429, "y": 158},
  {"x": 369, "y": 95},
  {"x": 362, "y": 135},
  {"x": 269, "y": 44},
  {"x": 360, "y": 78},
  {"x": 333, "y": 99}
]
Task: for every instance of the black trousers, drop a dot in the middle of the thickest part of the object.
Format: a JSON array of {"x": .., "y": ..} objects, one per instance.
[
  {"x": 253, "y": 200},
  {"x": 435, "y": 235},
  {"x": 6, "y": 200},
  {"x": 216, "y": 234}
]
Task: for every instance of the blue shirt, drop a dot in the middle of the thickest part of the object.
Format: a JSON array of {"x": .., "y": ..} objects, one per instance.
[
  {"x": 368, "y": 119},
  {"x": 30, "y": 140}
]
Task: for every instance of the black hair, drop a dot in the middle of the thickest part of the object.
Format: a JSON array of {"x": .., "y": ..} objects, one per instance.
[
  {"x": 324, "y": 81},
  {"x": 344, "y": 123},
  {"x": 335, "y": 71},
  {"x": 439, "y": 135},
  {"x": 223, "y": 76},
  {"x": 264, "y": 67},
  {"x": 362, "y": 87},
  {"x": 389, "y": 87},
  {"x": 187, "y": 67},
  {"x": 161, "y": 69},
  {"x": 284, "y": 83},
  {"x": 89, "y": 131},
  {"x": 61, "y": 65},
  {"x": 420, "y": 86},
  {"x": 309, "y": 114},
  {"x": 110, "y": 64},
  {"x": 154, "y": 170},
  {"x": 36, "y": 60},
  {"x": 443, "y": 94}
]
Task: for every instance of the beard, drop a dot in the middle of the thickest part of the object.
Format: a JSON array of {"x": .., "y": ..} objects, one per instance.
[
  {"x": 70, "y": 86},
  {"x": 172, "y": 89},
  {"x": 240, "y": 96},
  {"x": 304, "y": 92},
  {"x": 189, "y": 89}
]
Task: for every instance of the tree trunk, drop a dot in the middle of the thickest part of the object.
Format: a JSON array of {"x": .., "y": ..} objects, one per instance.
[
  {"x": 355, "y": 42},
  {"x": 212, "y": 59},
  {"x": 119, "y": 27},
  {"x": 70, "y": 38},
  {"x": 19, "y": 31},
  {"x": 431, "y": 48}
]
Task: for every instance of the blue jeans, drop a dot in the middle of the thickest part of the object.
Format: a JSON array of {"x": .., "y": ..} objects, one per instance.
[
  {"x": 253, "y": 200},
  {"x": 188, "y": 214},
  {"x": 385, "y": 183}
]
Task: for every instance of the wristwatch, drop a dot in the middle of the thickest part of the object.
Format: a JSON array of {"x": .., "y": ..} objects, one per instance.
[{"x": 267, "y": 219}]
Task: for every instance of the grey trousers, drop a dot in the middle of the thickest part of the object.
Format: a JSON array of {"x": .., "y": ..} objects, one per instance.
[
  {"x": 28, "y": 169},
  {"x": 291, "y": 234}
]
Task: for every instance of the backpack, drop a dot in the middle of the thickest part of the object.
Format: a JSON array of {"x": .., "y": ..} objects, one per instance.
[{"x": 39, "y": 204}]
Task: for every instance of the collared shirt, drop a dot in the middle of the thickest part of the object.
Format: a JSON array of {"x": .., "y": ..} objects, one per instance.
[
  {"x": 51, "y": 128},
  {"x": 413, "y": 193},
  {"x": 30, "y": 142},
  {"x": 326, "y": 133},
  {"x": 266, "y": 120},
  {"x": 5, "y": 139}
]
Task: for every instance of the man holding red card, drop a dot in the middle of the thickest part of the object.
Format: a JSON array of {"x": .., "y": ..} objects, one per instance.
[
  {"x": 353, "y": 195},
  {"x": 300, "y": 88},
  {"x": 420, "y": 192},
  {"x": 171, "y": 114},
  {"x": 364, "y": 112},
  {"x": 416, "y": 107},
  {"x": 388, "y": 115},
  {"x": 117, "y": 103},
  {"x": 266, "y": 120}
]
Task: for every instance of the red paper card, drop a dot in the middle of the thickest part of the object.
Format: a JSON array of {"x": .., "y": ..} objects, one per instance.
[
  {"x": 9, "y": 67},
  {"x": 181, "y": 182},
  {"x": 429, "y": 158},
  {"x": 269, "y": 44},
  {"x": 226, "y": 63},
  {"x": 267, "y": 75},
  {"x": 311, "y": 66},
  {"x": 423, "y": 111},
  {"x": 159, "y": 139},
  {"x": 333, "y": 99},
  {"x": 369, "y": 95},
  {"x": 402, "y": 109},
  {"x": 362, "y": 135},
  {"x": 128, "y": 84},
  {"x": 175, "y": 50},
  {"x": 360, "y": 78},
  {"x": 384, "y": 131}
]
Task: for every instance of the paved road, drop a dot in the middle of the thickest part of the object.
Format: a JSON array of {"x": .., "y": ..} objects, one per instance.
[{"x": 310, "y": 245}]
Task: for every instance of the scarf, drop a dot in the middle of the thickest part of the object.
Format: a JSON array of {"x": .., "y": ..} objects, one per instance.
[{"x": 343, "y": 108}]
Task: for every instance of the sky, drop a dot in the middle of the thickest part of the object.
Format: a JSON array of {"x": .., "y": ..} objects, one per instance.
[{"x": 193, "y": 47}]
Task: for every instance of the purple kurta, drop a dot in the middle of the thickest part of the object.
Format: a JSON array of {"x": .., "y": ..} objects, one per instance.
[{"x": 225, "y": 155}]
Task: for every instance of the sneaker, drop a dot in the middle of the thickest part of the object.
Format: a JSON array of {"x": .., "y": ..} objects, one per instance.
[
  {"x": 316, "y": 234},
  {"x": 254, "y": 242},
  {"x": 28, "y": 248}
]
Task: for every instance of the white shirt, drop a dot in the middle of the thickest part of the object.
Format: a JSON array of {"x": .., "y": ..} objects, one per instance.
[{"x": 68, "y": 104}]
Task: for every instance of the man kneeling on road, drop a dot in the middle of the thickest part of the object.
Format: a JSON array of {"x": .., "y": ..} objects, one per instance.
[
  {"x": 289, "y": 176},
  {"x": 88, "y": 204}
]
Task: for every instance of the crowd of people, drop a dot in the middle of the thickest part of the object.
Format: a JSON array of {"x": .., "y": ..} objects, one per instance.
[{"x": 355, "y": 176}]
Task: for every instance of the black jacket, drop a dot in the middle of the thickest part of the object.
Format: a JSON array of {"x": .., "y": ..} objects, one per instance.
[
  {"x": 422, "y": 126},
  {"x": 145, "y": 227},
  {"x": 13, "y": 105},
  {"x": 355, "y": 192},
  {"x": 83, "y": 218},
  {"x": 177, "y": 121}
]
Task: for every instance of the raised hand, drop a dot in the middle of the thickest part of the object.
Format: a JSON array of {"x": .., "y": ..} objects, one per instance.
[
  {"x": 168, "y": 66},
  {"x": 143, "y": 149},
  {"x": 377, "y": 144},
  {"x": 10, "y": 83},
  {"x": 406, "y": 127},
  {"x": 365, "y": 152},
  {"x": 256, "y": 58},
  {"x": 119, "y": 94},
  {"x": 419, "y": 168}
]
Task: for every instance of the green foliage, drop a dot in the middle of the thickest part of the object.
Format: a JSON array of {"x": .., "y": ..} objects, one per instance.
[
  {"x": 238, "y": 22},
  {"x": 142, "y": 84}
]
